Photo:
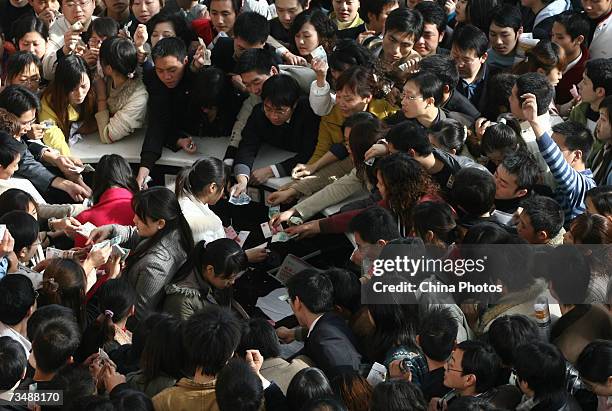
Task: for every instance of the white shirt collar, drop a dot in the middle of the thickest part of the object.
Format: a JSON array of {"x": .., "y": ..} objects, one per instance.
[
  {"x": 312, "y": 326},
  {"x": 6, "y": 331},
  {"x": 572, "y": 63}
]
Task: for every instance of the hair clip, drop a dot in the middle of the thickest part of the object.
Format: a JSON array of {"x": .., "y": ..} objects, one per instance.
[
  {"x": 52, "y": 285},
  {"x": 131, "y": 75},
  {"x": 109, "y": 313},
  {"x": 502, "y": 121}
]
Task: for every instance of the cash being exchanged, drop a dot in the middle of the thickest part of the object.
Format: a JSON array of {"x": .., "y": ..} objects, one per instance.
[
  {"x": 273, "y": 210},
  {"x": 242, "y": 199}
]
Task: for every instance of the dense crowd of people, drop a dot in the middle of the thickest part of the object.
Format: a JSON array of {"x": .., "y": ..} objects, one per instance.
[{"x": 451, "y": 128}]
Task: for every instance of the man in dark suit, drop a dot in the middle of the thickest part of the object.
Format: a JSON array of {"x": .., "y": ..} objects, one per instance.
[{"x": 330, "y": 342}]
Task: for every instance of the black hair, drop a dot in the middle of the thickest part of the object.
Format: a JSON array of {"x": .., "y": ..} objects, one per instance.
[
  {"x": 430, "y": 85},
  {"x": 178, "y": 22},
  {"x": 601, "y": 197},
  {"x": 545, "y": 214},
  {"x": 524, "y": 167},
  {"x": 487, "y": 232},
  {"x": 28, "y": 23},
  {"x": 538, "y": 85},
  {"x": 577, "y": 136},
  {"x": 397, "y": 395},
  {"x": 120, "y": 54},
  {"x": 395, "y": 325},
  {"x": 324, "y": 404},
  {"x": 92, "y": 403},
  {"x": 9, "y": 149},
  {"x": 194, "y": 179},
  {"x": 236, "y": 5},
  {"x": 568, "y": 289},
  {"x": 218, "y": 330},
  {"x": 468, "y": 403},
  {"x": 373, "y": 224},
  {"x": 405, "y": 20},
  {"x": 308, "y": 384},
  {"x": 409, "y": 136},
  {"x": 104, "y": 27},
  {"x": 366, "y": 129},
  {"x": 238, "y": 388},
  {"x": 473, "y": 191},
  {"x": 479, "y": 12},
  {"x": 347, "y": 288},
  {"x": 468, "y": 37},
  {"x": 506, "y": 15},
  {"x": 47, "y": 313},
  {"x": 131, "y": 400},
  {"x": 112, "y": 171},
  {"x": 542, "y": 366},
  {"x": 169, "y": 46},
  {"x": 442, "y": 66},
  {"x": 595, "y": 361},
  {"x": 501, "y": 137},
  {"x": 437, "y": 217},
  {"x": 432, "y": 14},
  {"x": 314, "y": 290},
  {"x": 260, "y": 61},
  {"x": 497, "y": 95},
  {"x": 225, "y": 256},
  {"x": 18, "y": 99},
  {"x": 16, "y": 297},
  {"x": 481, "y": 360},
  {"x": 55, "y": 344},
  {"x": 599, "y": 72},
  {"x": 575, "y": 23},
  {"x": 258, "y": 334},
  {"x": 22, "y": 226},
  {"x": 15, "y": 199},
  {"x": 13, "y": 363},
  {"x": 159, "y": 203},
  {"x": 209, "y": 88},
  {"x": 437, "y": 333},
  {"x": 163, "y": 352},
  {"x": 18, "y": 61},
  {"x": 115, "y": 299},
  {"x": 373, "y": 6},
  {"x": 281, "y": 91},
  {"x": 348, "y": 53},
  {"x": 325, "y": 28},
  {"x": 508, "y": 332},
  {"x": 545, "y": 55},
  {"x": 251, "y": 27},
  {"x": 449, "y": 133},
  {"x": 76, "y": 382}
]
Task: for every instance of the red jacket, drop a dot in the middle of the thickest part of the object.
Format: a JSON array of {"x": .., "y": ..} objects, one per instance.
[
  {"x": 113, "y": 207},
  {"x": 573, "y": 76},
  {"x": 339, "y": 223}
]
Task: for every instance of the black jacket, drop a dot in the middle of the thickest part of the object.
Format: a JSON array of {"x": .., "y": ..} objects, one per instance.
[
  {"x": 168, "y": 116},
  {"x": 299, "y": 135},
  {"x": 331, "y": 345},
  {"x": 32, "y": 169}
]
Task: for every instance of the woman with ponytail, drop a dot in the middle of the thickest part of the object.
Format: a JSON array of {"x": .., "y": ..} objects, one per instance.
[
  {"x": 121, "y": 95},
  {"x": 196, "y": 188},
  {"x": 114, "y": 302},
  {"x": 206, "y": 278},
  {"x": 160, "y": 243}
]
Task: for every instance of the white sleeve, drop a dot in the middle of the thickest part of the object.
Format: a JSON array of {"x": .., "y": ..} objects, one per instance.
[
  {"x": 321, "y": 99},
  {"x": 260, "y": 7}
]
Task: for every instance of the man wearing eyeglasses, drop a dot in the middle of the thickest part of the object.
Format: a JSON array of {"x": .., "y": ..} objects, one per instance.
[
  {"x": 67, "y": 33},
  {"x": 284, "y": 120}
]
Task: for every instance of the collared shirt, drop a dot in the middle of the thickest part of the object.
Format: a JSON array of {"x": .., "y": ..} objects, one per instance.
[
  {"x": 312, "y": 326},
  {"x": 6, "y": 331}
]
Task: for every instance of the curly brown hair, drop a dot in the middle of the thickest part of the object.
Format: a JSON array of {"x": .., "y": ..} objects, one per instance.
[
  {"x": 9, "y": 123},
  {"x": 406, "y": 182}
]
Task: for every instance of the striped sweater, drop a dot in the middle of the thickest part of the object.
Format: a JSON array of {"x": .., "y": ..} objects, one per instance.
[{"x": 572, "y": 185}]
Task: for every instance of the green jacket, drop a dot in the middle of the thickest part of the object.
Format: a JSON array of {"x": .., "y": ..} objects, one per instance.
[
  {"x": 578, "y": 114},
  {"x": 190, "y": 295}
]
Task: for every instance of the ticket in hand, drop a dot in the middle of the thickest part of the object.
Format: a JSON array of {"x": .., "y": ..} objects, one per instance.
[
  {"x": 273, "y": 210},
  {"x": 319, "y": 53},
  {"x": 282, "y": 237},
  {"x": 51, "y": 252},
  {"x": 241, "y": 238},
  {"x": 115, "y": 240},
  {"x": 98, "y": 246}
]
